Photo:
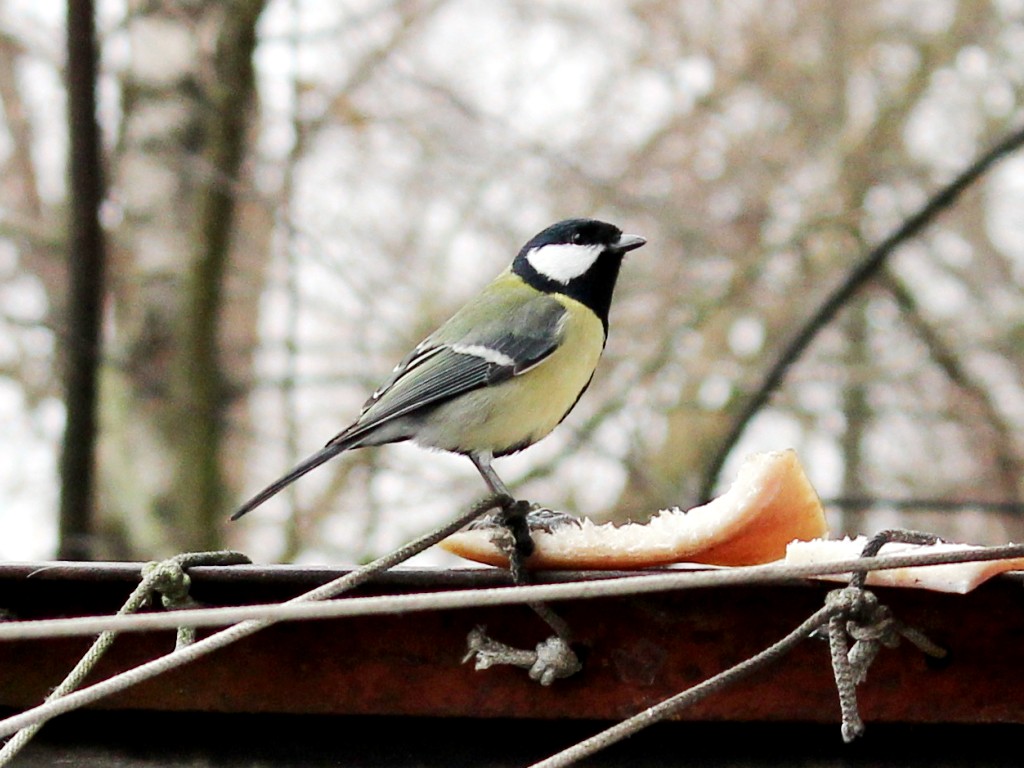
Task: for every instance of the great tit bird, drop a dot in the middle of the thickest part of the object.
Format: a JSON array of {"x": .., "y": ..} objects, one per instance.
[{"x": 507, "y": 367}]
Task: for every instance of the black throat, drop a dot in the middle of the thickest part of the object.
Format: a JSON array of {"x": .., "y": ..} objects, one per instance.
[{"x": 593, "y": 289}]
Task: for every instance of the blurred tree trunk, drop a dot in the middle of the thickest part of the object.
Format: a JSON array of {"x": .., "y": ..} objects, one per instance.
[
  {"x": 86, "y": 268},
  {"x": 188, "y": 113}
]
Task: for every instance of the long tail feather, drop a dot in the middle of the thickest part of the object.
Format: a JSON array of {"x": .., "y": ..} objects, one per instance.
[{"x": 329, "y": 451}]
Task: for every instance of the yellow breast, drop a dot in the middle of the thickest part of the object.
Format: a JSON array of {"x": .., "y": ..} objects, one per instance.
[{"x": 524, "y": 409}]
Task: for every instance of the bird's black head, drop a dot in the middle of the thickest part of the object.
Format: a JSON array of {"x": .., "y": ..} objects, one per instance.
[
  {"x": 577, "y": 245},
  {"x": 579, "y": 258}
]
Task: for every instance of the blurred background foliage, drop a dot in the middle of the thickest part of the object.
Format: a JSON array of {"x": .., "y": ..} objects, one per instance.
[{"x": 298, "y": 191}]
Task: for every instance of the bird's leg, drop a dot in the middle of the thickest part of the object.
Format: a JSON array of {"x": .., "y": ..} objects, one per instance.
[
  {"x": 482, "y": 462},
  {"x": 512, "y": 516}
]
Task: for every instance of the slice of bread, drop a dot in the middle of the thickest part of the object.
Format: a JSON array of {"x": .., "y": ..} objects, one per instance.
[{"x": 770, "y": 504}]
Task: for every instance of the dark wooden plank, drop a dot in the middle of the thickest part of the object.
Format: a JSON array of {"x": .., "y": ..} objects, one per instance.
[
  {"x": 149, "y": 740},
  {"x": 637, "y": 651},
  {"x": 120, "y": 739}
]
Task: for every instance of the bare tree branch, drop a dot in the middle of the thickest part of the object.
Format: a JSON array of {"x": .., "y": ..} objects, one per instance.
[
  {"x": 1007, "y": 463},
  {"x": 860, "y": 275}
]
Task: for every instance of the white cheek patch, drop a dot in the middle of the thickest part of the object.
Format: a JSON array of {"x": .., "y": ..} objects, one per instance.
[{"x": 564, "y": 261}]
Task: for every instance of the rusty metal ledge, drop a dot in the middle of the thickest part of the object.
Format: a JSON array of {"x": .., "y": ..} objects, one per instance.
[{"x": 637, "y": 651}]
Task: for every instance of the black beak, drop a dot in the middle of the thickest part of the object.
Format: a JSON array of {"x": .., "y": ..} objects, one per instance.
[{"x": 629, "y": 242}]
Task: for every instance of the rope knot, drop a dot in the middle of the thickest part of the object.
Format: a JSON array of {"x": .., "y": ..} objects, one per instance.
[
  {"x": 169, "y": 579},
  {"x": 878, "y": 627},
  {"x": 550, "y": 660},
  {"x": 857, "y": 614},
  {"x": 850, "y": 601}
]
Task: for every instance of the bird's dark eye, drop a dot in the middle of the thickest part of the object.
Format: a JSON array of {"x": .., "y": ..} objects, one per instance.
[{"x": 577, "y": 238}]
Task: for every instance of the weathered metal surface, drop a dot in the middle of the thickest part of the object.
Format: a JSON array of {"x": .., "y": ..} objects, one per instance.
[{"x": 637, "y": 651}]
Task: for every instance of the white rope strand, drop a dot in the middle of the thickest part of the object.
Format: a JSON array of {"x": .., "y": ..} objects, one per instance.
[
  {"x": 680, "y": 701},
  {"x": 301, "y": 608},
  {"x": 157, "y": 578},
  {"x": 74, "y": 678},
  {"x": 181, "y": 656}
]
